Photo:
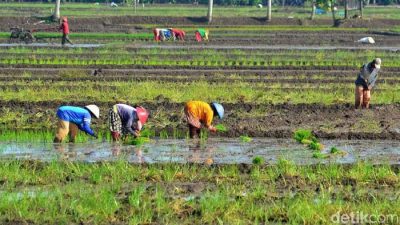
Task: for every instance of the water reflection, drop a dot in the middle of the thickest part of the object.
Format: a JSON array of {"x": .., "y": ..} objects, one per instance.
[
  {"x": 200, "y": 152},
  {"x": 212, "y": 151}
]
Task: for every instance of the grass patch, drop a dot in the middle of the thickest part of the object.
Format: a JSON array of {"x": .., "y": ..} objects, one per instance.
[{"x": 116, "y": 192}]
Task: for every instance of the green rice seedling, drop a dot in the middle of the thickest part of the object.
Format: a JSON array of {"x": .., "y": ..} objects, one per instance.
[
  {"x": 258, "y": 160},
  {"x": 164, "y": 134},
  {"x": 301, "y": 134},
  {"x": 336, "y": 151},
  {"x": 316, "y": 146},
  {"x": 245, "y": 139},
  {"x": 137, "y": 141},
  {"x": 221, "y": 128},
  {"x": 319, "y": 155},
  {"x": 147, "y": 133}
]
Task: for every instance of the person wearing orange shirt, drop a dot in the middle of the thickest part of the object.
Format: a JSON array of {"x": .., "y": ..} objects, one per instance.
[{"x": 200, "y": 113}]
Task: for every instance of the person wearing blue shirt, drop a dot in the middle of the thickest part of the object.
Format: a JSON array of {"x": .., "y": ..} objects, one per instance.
[{"x": 72, "y": 118}]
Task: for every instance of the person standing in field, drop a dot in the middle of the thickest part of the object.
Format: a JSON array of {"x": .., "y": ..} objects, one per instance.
[
  {"x": 64, "y": 27},
  {"x": 72, "y": 118},
  {"x": 365, "y": 82},
  {"x": 125, "y": 119},
  {"x": 200, "y": 113}
]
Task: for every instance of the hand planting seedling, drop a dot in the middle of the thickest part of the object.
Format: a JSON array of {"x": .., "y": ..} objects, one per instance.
[
  {"x": 245, "y": 139},
  {"x": 221, "y": 128}
]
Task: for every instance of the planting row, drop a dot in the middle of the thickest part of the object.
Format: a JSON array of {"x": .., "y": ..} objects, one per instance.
[
  {"x": 119, "y": 50},
  {"x": 179, "y": 92},
  {"x": 203, "y": 55},
  {"x": 129, "y": 63},
  {"x": 324, "y": 73},
  {"x": 274, "y": 82}
]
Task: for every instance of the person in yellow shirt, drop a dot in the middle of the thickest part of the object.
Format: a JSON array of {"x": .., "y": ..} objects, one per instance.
[{"x": 200, "y": 113}]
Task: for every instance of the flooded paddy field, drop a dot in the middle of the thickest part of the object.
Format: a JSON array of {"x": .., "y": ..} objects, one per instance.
[{"x": 213, "y": 151}]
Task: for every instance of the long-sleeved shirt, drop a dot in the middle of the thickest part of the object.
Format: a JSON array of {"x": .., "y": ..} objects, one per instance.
[
  {"x": 77, "y": 115},
  {"x": 202, "y": 111},
  {"x": 129, "y": 117},
  {"x": 366, "y": 77},
  {"x": 64, "y": 27}
]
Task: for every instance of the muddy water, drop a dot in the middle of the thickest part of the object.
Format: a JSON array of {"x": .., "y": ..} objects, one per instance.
[{"x": 217, "y": 151}]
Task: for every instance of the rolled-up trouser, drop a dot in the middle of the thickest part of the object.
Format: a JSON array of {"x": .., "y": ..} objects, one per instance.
[
  {"x": 63, "y": 128},
  {"x": 362, "y": 97},
  {"x": 198, "y": 36},
  {"x": 115, "y": 123},
  {"x": 193, "y": 123},
  {"x": 65, "y": 39}
]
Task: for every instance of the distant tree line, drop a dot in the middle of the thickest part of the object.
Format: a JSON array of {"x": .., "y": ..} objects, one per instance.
[{"x": 216, "y": 2}]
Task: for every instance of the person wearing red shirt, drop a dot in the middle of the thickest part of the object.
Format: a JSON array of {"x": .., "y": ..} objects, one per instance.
[{"x": 64, "y": 27}]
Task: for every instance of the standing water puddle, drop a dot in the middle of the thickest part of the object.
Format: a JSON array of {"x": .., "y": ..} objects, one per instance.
[{"x": 217, "y": 151}]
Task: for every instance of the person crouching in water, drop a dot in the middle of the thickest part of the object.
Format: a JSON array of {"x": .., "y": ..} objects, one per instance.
[
  {"x": 72, "y": 118},
  {"x": 64, "y": 27},
  {"x": 365, "y": 82},
  {"x": 200, "y": 113},
  {"x": 125, "y": 119}
]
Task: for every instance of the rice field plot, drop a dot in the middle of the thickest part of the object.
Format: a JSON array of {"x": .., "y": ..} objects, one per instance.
[
  {"x": 238, "y": 176},
  {"x": 267, "y": 93}
]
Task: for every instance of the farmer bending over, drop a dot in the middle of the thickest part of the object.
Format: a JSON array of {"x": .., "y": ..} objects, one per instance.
[
  {"x": 178, "y": 34},
  {"x": 365, "y": 82},
  {"x": 125, "y": 119},
  {"x": 157, "y": 34},
  {"x": 72, "y": 118},
  {"x": 201, "y": 34},
  {"x": 64, "y": 27},
  {"x": 198, "y": 113}
]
